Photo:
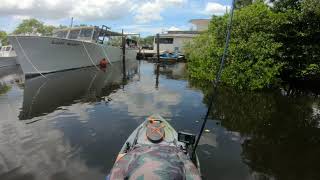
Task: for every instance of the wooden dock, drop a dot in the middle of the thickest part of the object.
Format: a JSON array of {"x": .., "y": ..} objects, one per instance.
[{"x": 145, "y": 53}]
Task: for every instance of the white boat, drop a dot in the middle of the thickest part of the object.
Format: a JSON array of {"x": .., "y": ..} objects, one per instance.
[
  {"x": 69, "y": 48},
  {"x": 7, "y": 56}
]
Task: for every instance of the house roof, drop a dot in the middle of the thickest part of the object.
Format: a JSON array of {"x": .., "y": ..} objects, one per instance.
[
  {"x": 179, "y": 35},
  {"x": 199, "y": 20}
]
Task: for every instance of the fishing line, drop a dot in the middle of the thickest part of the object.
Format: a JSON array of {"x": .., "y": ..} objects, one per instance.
[
  {"x": 218, "y": 76},
  {"x": 27, "y": 58}
]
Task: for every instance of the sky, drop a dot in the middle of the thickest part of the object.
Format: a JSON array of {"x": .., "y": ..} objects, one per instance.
[{"x": 146, "y": 17}]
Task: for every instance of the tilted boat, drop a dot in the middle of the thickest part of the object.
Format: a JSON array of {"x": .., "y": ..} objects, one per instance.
[
  {"x": 156, "y": 151},
  {"x": 7, "y": 56},
  {"x": 68, "y": 48}
]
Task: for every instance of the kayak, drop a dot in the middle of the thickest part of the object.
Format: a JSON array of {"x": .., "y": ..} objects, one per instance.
[{"x": 155, "y": 150}]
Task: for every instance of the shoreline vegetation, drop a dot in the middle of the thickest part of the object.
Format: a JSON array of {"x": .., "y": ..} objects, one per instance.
[{"x": 270, "y": 45}]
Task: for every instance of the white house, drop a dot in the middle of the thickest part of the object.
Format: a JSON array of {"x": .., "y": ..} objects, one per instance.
[
  {"x": 174, "y": 40},
  {"x": 200, "y": 24}
]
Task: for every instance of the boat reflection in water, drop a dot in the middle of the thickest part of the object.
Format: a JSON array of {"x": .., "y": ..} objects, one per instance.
[{"x": 45, "y": 95}]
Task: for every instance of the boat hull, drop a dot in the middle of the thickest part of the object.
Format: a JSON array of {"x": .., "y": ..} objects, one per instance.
[{"x": 37, "y": 54}]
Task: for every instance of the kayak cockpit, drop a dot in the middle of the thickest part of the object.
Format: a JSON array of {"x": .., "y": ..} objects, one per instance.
[
  {"x": 155, "y": 150},
  {"x": 155, "y": 162}
]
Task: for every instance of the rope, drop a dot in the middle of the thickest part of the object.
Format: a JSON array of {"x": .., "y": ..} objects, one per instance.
[
  {"x": 103, "y": 50},
  {"x": 156, "y": 129},
  {"x": 25, "y": 55},
  {"x": 34, "y": 98},
  {"x": 89, "y": 56}
]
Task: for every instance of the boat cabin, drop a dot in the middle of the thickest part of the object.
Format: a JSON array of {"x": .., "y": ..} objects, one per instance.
[
  {"x": 7, "y": 51},
  {"x": 85, "y": 33}
]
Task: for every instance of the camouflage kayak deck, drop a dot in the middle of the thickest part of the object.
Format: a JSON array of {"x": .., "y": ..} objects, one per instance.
[{"x": 153, "y": 151}]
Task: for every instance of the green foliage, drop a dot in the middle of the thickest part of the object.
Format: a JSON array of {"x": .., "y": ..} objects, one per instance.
[
  {"x": 243, "y": 3},
  {"x": 279, "y": 132},
  {"x": 115, "y": 41},
  {"x": 33, "y": 26},
  {"x": 300, "y": 35},
  {"x": 251, "y": 62},
  {"x": 80, "y": 25},
  {"x": 147, "y": 41},
  {"x": 62, "y": 26},
  {"x": 284, "y": 5},
  {"x": 267, "y": 45},
  {"x": 4, "y": 88},
  {"x": 3, "y": 38}
]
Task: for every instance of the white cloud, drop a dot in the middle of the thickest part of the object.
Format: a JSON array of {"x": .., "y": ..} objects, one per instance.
[
  {"x": 20, "y": 17},
  {"x": 144, "y": 11},
  {"x": 151, "y": 10},
  {"x": 57, "y": 9},
  {"x": 101, "y": 9},
  {"x": 173, "y": 28},
  {"x": 35, "y": 8},
  {"x": 215, "y": 8}
]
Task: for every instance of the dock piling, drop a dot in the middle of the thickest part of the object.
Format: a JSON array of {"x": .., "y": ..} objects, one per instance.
[
  {"x": 158, "y": 48},
  {"x": 123, "y": 54}
]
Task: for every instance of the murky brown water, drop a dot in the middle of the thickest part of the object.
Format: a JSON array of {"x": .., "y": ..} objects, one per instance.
[{"x": 72, "y": 124}]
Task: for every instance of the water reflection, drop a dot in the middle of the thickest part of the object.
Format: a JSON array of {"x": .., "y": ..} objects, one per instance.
[
  {"x": 86, "y": 115},
  {"x": 280, "y": 135},
  {"x": 45, "y": 95},
  {"x": 61, "y": 146}
]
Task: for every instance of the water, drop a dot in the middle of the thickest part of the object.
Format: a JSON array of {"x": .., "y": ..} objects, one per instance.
[{"x": 73, "y": 124}]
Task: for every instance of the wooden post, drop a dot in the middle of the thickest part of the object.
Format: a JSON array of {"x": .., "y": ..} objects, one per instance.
[
  {"x": 124, "y": 54},
  {"x": 71, "y": 24},
  {"x": 158, "y": 48},
  {"x": 139, "y": 47},
  {"x": 157, "y": 75}
]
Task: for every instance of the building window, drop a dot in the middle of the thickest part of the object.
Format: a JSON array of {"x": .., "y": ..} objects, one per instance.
[{"x": 165, "y": 40}]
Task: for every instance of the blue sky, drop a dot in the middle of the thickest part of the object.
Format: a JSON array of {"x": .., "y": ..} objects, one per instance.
[{"x": 135, "y": 16}]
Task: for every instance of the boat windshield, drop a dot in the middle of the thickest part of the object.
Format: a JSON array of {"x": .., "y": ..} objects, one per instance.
[
  {"x": 60, "y": 34},
  {"x": 5, "y": 48},
  {"x": 84, "y": 34},
  {"x": 73, "y": 34}
]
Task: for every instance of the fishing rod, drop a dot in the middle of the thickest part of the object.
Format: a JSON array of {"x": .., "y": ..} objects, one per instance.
[{"x": 217, "y": 80}]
